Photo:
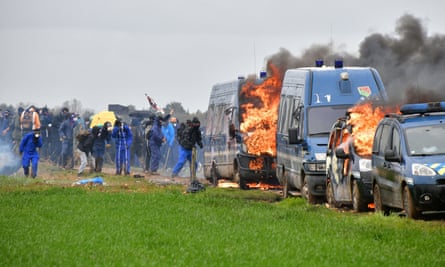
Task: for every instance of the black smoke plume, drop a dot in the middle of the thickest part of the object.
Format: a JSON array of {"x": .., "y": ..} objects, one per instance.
[{"x": 411, "y": 63}]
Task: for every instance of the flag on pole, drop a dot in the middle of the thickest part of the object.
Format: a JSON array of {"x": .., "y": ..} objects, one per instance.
[{"x": 153, "y": 104}]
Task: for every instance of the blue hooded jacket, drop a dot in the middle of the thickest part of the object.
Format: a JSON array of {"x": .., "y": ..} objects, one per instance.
[
  {"x": 157, "y": 135},
  {"x": 122, "y": 137}
]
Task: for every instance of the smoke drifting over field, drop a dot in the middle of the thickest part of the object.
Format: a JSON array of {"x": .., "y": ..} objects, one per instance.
[{"x": 411, "y": 64}]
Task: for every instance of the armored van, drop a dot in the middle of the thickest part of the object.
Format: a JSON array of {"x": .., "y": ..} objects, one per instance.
[
  {"x": 228, "y": 149},
  {"x": 312, "y": 99}
]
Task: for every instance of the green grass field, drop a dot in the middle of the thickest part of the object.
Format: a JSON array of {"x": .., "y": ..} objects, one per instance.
[{"x": 142, "y": 224}]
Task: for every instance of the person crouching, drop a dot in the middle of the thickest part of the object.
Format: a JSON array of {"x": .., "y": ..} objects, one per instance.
[{"x": 84, "y": 148}]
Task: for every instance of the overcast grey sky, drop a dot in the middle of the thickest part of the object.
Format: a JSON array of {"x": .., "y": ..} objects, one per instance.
[{"x": 104, "y": 52}]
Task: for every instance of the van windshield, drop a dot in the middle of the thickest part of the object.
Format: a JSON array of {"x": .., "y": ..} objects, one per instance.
[
  {"x": 320, "y": 119},
  {"x": 426, "y": 140}
]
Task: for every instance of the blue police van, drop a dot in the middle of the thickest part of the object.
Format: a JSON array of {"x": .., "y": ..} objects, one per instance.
[
  {"x": 312, "y": 99},
  {"x": 408, "y": 160}
]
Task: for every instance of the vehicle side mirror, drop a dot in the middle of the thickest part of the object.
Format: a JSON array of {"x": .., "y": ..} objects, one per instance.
[
  {"x": 293, "y": 136},
  {"x": 390, "y": 155},
  {"x": 341, "y": 154},
  {"x": 329, "y": 152}
]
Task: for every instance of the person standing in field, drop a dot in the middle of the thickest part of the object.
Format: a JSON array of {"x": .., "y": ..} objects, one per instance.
[
  {"x": 169, "y": 133},
  {"x": 123, "y": 138},
  {"x": 29, "y": 150},
  {"x": 66, "y": 134},
  {"x": 156, "y": 140},
  {"x": 102, "y": 140}
]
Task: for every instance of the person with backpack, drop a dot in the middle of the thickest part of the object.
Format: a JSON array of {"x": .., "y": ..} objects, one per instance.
[
  {"x": 189, "y": 136},
  {"x": 102, "y": 140},
  {"x": 84, "y": 147},
  {"x": 29, "y": 120},
  {"x": 29, "y": 146}
]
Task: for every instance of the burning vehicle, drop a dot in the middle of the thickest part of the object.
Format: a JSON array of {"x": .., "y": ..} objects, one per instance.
[
  {"x": 312, "y": 99},
  {"x": 348, "y": 156},
  {"x": 239, "y": 138},
  {"x": 408, "y": 160}
]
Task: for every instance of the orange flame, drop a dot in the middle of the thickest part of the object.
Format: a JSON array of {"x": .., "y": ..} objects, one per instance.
[
  {"x": 260, "y": 112},
  {"x": 256, "y": 164},
  {"x": 263, "y": 186},
  {"x": 364, "y": 118}
]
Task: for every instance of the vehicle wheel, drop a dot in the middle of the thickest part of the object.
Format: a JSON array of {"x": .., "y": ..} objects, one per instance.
[
  {"x": 379, "y": 207},
  {"x": 285, "y": 184},
  {"x": 241, "y": 181},
  {"x": 408, "y": 204},
  {"x": 306, "y": 193},
  {"x": 358, "y": 203},
  {"x": 214, "y": 177},
  {"x": 330, "y": 195}
]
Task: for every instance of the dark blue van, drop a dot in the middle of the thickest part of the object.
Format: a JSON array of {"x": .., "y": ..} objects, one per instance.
[
  {"x": 408, "y": 160},
  {"x": 312, "y": 99}
]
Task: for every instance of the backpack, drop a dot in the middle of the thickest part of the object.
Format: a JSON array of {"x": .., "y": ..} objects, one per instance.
[
  {"x": 186, "y": 140},
  {"x": 180, "y": 131},
  {"x": 26, "y": 120}
]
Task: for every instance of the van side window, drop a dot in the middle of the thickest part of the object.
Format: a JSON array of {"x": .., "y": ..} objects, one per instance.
[
  {"x": 385, "y": 140},
  {"x": 396, "y": 142},
  {"x": 300, "y": 121},
  {"x": 378, "y": 136},
  {"x": 283, "y": 118}
]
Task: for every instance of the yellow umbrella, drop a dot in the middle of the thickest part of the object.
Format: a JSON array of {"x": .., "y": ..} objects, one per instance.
[{"x": 102, "y": 117}]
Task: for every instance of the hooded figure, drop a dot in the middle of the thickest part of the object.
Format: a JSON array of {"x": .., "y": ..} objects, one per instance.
[
  {"x": 123, "y": 138},
  {"x": 29, "y": 150},
  {"x": 156, "y": 140},
  {"x": 102, "y": 140},
  {"x": 188, "y": 137}
]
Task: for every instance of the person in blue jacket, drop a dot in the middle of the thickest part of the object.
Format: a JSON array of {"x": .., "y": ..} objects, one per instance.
[
  {"x": 123, "y": 138},
  {"x": 157, "y": 138},
  {"x": 66, "y": 134},
  {"x": 169, "y": 133},
  {"x": 29, "y": 150}
]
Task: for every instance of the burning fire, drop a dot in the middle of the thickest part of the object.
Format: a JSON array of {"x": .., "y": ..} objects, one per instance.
[
  {"x": 364, "y": 118},
  {"x": 256, "y": 164},
  {"x": 260, "y": 112}
]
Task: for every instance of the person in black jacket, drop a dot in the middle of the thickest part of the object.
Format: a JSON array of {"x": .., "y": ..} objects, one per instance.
[
  {"x": 188, "y": 137},
  {"x": 85, "y": 147}
]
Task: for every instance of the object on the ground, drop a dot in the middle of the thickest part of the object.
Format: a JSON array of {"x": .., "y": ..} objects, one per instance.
[
  {"x": 138, "y": 176},
  {"x": 195, "y": 187},
  {"x": 95, "y": 180}
]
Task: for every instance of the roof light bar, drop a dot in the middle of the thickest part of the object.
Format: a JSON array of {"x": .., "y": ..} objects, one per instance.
[
  {"x": 338, "y": 63},
  {"x": 422, "y": 108},
  {"x": 319, "y": 63}
]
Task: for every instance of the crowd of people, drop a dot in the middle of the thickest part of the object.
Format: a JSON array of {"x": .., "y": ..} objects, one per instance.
[{"x": 70, "y": 142}]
